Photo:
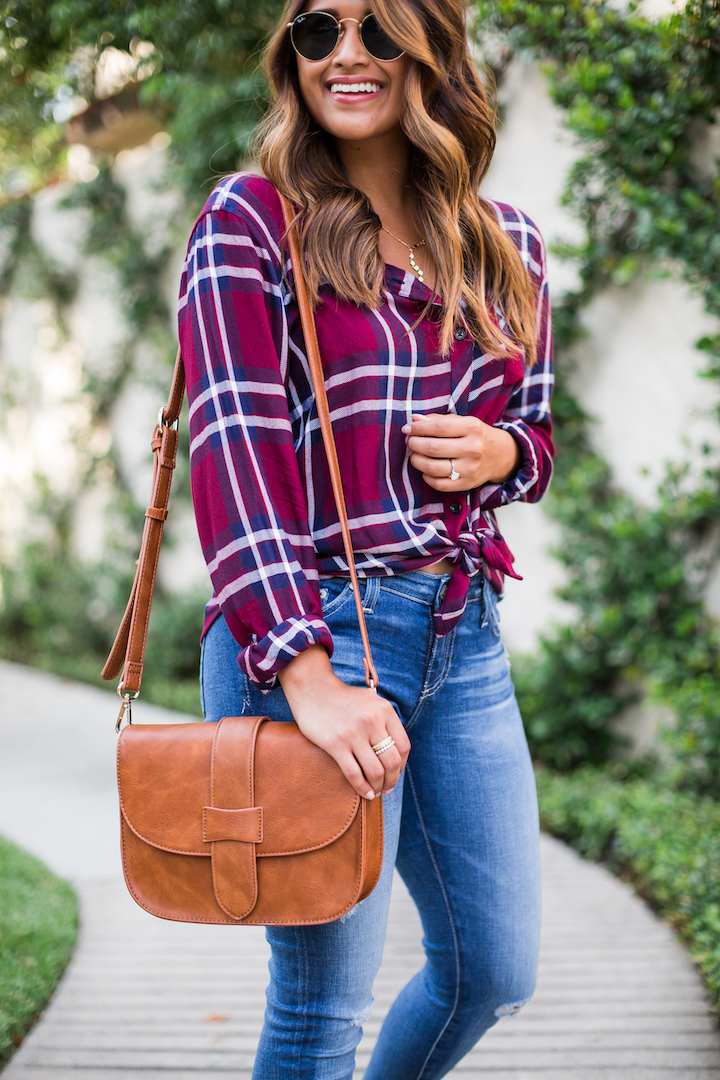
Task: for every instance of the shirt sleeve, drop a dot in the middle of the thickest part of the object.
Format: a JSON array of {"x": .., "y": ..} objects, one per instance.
[
  {"x": 527, "y": 413},
  {"x": 247, "y": 493}
]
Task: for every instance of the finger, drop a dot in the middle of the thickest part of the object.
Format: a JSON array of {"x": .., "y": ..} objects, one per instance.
[
  {"x": 394, "y": 765},
  {"x": 440, "y": 468},
  {"x": 395, "y": 758},
  {"x": 365, "y": 786},
  {"x": 390, "y": 762},
  {"x": 400, "y": 735},
  {"x": 445, "y": 485},
  {"x": 372, "y": 766},
  {"x": 438, "y": 448},
  {"x": 444, "y": 426}
]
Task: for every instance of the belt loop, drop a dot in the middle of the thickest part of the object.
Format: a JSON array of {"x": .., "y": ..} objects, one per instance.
[{"x": 372, "y": 593}]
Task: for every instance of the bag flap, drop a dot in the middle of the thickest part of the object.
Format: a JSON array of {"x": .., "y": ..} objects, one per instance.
[
  {"x": 307, "y": 802},
  {"x": 164, "y": 783}
]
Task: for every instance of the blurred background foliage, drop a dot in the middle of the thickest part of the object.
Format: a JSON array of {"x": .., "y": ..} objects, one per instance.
[
  {"x": 195, "y": 63},
  {"x": 637, "y": 93}
]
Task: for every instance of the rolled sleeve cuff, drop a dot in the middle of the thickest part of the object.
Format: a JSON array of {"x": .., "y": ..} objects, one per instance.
[
  {"x": 525, "y": 479},
  {"x": 263, "y": 659}
]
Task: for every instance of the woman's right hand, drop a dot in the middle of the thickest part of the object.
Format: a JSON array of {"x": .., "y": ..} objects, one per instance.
[{"x": 346, "y": 722}]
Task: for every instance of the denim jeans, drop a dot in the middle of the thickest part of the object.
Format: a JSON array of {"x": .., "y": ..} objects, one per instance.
[{"x": 461, "y": 827}]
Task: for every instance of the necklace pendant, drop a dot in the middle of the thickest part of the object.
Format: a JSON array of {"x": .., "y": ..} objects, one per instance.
[{"x": 415, "y": 266}]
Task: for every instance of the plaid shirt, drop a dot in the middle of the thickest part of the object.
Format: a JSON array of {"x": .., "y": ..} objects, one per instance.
[{"x": 261, "y": 488}]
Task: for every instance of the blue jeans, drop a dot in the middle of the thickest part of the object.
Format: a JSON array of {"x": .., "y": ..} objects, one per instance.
[{"x": 461, "y": 827}]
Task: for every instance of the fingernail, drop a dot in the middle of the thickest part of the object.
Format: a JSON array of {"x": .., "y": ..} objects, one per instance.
[
  {"x": 407, "y": 429},
  {"x": 370, "y": 795}
]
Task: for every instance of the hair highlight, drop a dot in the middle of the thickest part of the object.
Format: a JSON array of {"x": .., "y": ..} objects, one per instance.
[{"x": 451, "y": 129}]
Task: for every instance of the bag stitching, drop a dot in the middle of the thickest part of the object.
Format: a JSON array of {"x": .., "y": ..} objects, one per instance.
[{"x": 236, "y": 922}]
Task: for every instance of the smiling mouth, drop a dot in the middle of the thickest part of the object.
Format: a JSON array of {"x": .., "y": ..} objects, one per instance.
[{"x": 355, "y": 88}]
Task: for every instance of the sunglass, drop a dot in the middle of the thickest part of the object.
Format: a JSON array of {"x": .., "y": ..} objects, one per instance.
[{"x": 317, "y": 34}]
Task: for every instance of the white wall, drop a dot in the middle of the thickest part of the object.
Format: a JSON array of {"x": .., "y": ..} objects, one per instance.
[{"x": 46, "y": 435}]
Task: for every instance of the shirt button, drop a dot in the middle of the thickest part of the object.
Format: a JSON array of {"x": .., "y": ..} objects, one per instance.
[
  {"x": 456, "y": 507},
  {"x": 460, "y": 333}
]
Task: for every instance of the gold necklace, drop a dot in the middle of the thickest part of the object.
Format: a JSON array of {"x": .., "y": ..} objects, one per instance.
[{"x": 411, "y": 247}]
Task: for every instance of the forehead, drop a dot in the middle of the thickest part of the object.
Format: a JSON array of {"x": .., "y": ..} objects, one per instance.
[{"x": 341, "y": 9}]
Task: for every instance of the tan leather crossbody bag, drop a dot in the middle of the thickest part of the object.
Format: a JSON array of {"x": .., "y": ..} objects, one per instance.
[{"x": 245, "y": 821}]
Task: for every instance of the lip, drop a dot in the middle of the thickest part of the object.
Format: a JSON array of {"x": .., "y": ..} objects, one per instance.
[{"x": 361, "y": 96}]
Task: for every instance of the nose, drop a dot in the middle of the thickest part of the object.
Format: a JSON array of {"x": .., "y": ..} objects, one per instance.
[{"x": 350, "y": 50}]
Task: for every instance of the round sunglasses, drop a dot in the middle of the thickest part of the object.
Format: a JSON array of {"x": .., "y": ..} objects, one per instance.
[{"x": 316, "y": 35}]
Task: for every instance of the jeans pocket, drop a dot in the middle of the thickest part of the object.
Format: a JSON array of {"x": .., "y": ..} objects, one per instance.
[{"x": 334, "y": 594}]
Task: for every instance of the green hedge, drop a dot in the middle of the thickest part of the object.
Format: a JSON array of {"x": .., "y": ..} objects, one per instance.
[
  {"x": 667, "y": 841},
  {"x": 38, "y": 930}
]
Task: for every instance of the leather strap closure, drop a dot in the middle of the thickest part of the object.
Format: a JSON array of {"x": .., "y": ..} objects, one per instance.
[
  {"x": 128, "y": 648},
  {"x": 243, "y": 826},
  {"x": 232, "y": 792}
]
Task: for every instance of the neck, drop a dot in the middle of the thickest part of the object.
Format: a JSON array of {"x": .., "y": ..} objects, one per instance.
[{"x": 380, "y": 168}]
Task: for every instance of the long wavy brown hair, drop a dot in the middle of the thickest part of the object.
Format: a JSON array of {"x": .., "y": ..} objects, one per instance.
[{"x": 451, "y": 129}]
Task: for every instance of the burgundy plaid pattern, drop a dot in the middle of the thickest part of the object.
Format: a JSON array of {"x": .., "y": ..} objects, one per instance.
[{"x": 261, "y": 489}]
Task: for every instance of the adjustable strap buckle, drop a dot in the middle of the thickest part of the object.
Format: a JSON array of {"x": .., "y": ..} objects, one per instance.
[
  {"x": 161, "y": 421},
  {"x": 126, "y": 708}
]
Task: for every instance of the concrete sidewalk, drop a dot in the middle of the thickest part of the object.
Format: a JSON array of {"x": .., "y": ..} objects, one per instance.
[{"x": 618, "y": 998}]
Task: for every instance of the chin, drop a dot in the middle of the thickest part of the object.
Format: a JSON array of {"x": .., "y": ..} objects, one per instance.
[{"x": 347, "y": 129}]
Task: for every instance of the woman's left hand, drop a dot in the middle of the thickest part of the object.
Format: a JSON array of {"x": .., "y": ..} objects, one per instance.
[{"x": 480, "y": 453}]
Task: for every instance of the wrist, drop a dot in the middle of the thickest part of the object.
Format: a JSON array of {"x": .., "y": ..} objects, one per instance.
[
  {"x": 508, "y": 456},
  {"x": 305, "y": 673}
]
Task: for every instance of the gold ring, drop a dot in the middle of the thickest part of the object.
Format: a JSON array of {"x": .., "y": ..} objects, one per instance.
[{"x": 384, "y": 744}]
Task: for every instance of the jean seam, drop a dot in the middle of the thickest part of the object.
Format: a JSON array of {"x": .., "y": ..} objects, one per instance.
[
  {"x": 426, "y": 693},
  {"x": 304, "y": 982},
  {"x": 448, "y": 908},
  {"x": 202, "y": 681},
  {"x": 422, "y": 698},
  {"x": 407, "y": 596}
]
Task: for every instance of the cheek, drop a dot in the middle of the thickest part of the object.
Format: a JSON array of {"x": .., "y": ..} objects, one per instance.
[
  {"x": 396, "y": 99},
  {"x": 310, "y": 87}
]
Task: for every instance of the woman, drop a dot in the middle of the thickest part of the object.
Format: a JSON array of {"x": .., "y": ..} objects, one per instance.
[{"x": 432, "y": 318}]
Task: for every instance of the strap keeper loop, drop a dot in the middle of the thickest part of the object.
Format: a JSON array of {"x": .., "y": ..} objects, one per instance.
[{"x": 156, "y": 513}]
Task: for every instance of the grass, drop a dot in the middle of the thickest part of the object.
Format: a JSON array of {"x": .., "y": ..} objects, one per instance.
[{"x": 38, "y": 930}]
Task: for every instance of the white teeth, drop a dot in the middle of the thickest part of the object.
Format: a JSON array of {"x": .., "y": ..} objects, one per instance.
[{"x": 354, "y": 88}]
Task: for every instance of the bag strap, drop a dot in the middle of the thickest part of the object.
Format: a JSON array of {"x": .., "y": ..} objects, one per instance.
[
  {"x": 318, "y": 382},
  {"x": 128, "y": 648}
]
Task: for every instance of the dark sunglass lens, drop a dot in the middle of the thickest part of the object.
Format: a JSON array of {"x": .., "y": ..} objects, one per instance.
[
  {"x": 377, "y": 42},
  {"x": 315, "y": 35}
]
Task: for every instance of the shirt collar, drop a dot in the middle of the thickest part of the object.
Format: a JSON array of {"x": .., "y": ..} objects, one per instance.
[{"x": 401, "y": 282}]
